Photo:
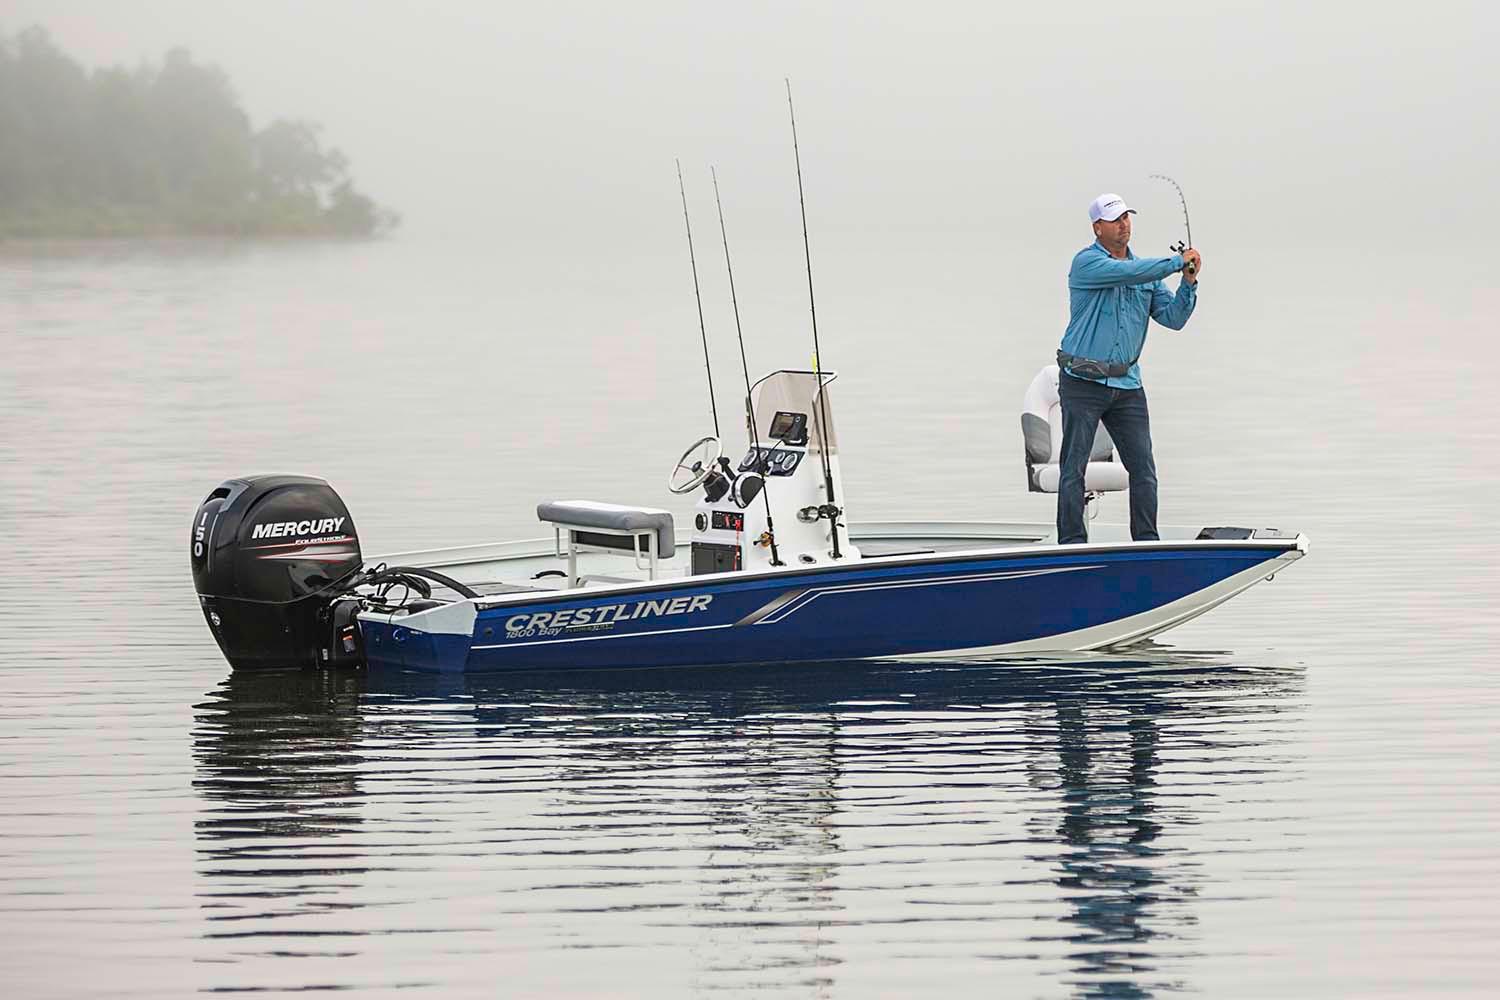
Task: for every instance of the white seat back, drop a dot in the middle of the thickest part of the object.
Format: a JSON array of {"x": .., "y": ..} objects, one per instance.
[{"x": 1041, "y": 430}]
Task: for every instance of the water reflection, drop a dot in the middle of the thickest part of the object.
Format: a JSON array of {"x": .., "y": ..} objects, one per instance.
[
  {"x": 1124, "y": 890},
  {"x": 276, "y": 755},
  {"x": 735, "y": 775},
  {"x": 765, "y": 826}
]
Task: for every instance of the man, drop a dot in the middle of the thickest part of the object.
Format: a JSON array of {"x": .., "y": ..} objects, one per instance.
[{"x": 1112, "y": 294}]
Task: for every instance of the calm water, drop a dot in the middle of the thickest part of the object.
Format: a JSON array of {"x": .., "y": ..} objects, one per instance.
[{"x": 1294, "y": 796}]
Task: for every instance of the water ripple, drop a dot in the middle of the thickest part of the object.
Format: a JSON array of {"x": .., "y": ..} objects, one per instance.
[{"x": 761, "y": 825}]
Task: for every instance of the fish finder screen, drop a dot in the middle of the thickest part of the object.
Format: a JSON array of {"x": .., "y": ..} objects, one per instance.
[{"x": 789, "y": 427}]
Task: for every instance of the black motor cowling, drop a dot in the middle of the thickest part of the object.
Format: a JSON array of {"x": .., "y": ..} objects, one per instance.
[{"x": 270, "y": 555}]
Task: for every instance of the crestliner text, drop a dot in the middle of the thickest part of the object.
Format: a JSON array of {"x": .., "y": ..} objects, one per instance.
[{"x": 607, "y": 614}]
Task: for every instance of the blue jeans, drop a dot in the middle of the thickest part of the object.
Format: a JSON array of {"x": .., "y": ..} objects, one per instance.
[{"x": 1126, "y": 417}]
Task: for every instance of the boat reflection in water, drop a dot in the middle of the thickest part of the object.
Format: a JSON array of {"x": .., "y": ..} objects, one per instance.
[{"x": 878, "y": 826}]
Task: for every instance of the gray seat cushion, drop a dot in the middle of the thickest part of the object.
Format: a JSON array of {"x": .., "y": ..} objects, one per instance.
[{"x": 593, "y": 514}]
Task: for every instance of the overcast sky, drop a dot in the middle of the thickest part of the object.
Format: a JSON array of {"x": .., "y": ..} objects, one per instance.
[{"x": 1306, "y": 124}]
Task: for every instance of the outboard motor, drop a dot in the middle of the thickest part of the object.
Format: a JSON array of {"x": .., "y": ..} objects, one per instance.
[{"x": 270, "y": 555}]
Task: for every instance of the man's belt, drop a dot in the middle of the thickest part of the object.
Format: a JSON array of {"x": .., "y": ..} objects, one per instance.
[{"x": 1089, "y": 368}]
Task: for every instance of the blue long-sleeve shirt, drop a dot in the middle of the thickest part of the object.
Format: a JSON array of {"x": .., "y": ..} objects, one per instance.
[{"x": 1110, "y": 301}]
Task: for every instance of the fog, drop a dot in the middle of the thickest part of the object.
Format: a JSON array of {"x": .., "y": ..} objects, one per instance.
[
  {"x": 1290, "y": 126},
  {"x": 1302, "y": 803}
]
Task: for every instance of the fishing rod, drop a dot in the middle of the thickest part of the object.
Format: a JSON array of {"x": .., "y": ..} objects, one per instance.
[
  {"x": 1179, "y": 246},
  {"x": 712, "y": 402},
  {"x": 770, "y": 536},
  {"x": 820, "y": 413}
]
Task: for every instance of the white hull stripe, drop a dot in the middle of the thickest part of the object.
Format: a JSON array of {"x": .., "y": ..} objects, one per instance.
[
  {"x": 776, "y": 603},
  {"x": 785, "y": 599},
  {"x": 794, "y": 601},
  {"x": 1126, "y": 630}
]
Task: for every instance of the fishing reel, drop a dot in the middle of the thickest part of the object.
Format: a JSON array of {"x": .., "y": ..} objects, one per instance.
[
  {"x": 1181, "y": 247},
  {"x": 816, "y": 512}
]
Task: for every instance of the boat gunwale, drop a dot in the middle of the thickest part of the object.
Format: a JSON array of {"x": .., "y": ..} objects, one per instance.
[{"x": 1297, "y": 543}]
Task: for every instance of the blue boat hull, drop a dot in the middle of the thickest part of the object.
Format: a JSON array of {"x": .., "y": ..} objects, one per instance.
[{"x": 965, "y": 602}]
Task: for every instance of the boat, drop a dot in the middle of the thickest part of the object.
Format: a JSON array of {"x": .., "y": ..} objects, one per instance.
[{"x": 769, "y": 571}]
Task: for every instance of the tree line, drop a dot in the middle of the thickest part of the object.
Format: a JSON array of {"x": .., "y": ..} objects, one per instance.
[{"x": 161, "y": 149}]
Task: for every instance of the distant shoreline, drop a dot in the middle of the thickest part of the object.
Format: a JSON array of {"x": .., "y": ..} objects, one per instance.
[
  {"x": 39, "y": 233},
  {"x": 67, "y": 239},
  {"x": 160, "y": 151},
  {"x": 36, "y": 248}
]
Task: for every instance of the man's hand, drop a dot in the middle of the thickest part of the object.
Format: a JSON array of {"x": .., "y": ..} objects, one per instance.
[{"x": 1192, "y": 263}]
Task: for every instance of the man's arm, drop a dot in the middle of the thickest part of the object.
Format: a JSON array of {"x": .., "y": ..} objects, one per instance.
[
  {"x": 1172, "y": 311},
  {"x": 1100, "y": 270}
]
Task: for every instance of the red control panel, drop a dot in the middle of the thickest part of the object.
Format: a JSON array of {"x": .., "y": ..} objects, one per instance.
[{"x": 728, "y": 520}]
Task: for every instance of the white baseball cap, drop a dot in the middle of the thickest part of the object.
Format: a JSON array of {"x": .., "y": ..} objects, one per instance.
[{"x": 1108, "y": 207}]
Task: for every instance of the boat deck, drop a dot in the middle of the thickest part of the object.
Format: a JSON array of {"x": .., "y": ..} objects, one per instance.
[{"x": 534, "y": 564}]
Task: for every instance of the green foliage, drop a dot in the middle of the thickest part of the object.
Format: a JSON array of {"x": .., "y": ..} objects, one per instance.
[{"x": 158, "y": 150}]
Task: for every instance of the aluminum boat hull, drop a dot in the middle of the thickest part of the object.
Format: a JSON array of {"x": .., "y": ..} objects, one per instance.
[{"x": 981, "y": 602}]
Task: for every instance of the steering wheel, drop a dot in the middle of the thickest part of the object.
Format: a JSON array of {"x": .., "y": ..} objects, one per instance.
[{"x": 687, "y": 477}]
